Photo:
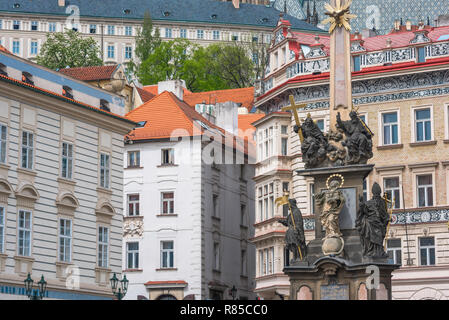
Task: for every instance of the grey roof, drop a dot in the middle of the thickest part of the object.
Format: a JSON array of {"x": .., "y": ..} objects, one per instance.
[{"x": 202, "y": 11}]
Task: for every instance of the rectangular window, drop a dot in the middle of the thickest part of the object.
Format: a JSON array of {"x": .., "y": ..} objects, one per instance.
[
  {"x": 365, "y": 190},
  {"x": 255, "y": 58},
  {"x": 27, "y": 150},
  {"x": 67, "y": 160},
  {"x": 284, "y": 129},
  {"x": 132, "y": 255},
  {"x": 168, "y": 156},
  {"x": 3, "y": 139},
  {"x": 128, "y": 31},
  {"x": 168, "y": 33},
  {"x": 128, "y": 52},
  {"x": 24, "y": 232},
  {"x": 427, "y": 251},
  {"x": 168, "y": 202},
  {"x": 320, "y": 124},
  {"x": 103, "y": 246},
  {"x": 104, "y": 170},
  {"x": 65, "y": 240},
  {"x": 423, "y": 125},
  {"x": 93, "y": 28},
  {"x": 183, "y": 33},
  {"x": 261, "y": 263},
  {"x": 284, "y": 146},
  {"x": 425, "y": 190},
  {"x": 394, "y": 250},
  {"x": 356, "y": 64},
  {"x": 286, "y": 257},
  {"x": 16, "y": 47},
  {"x": 392, "y": 189},
  {"x": 16, "y": 25},
  {"x": 243, "y": 262},
  {"x": 242, "y": 215},
  {"x": 133, "y": 159},
  {"x": 199, "y": 34},
  {"x": 111, "y": 30},
  {"x": 111, "y": 52},
  {"x": 167, "y": 254},
  {"x": 2, "y": 229},
  {"x": 216, "y": 256},
  {"x": 421, "y": 54},
  {"x": 390, "y": 128},
  {"x": 52, "y": 27},
  {"x": 133, "y": 205},
  {"x": 34, "y": 25},
  {"x": 1, "y": 24},
  {"x": 312, "y": 198},
  {"x": 216, "y": 35},
  {"x": 33, "y": 48},
  {"x": 235, "y": 37}
]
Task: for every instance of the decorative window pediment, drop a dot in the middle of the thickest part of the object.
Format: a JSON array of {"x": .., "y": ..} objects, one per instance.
[
  {"x": 420, "y": 37},
  {"x": 67, "y": 203},
  {"x": 5, "y": 190},
  {"x": 105, "y": 211},
  {"x": 26, "y": 195}
]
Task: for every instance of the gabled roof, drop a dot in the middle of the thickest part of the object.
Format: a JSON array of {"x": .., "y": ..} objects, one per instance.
[
  {"x": 245, "y": 96},
  {"x": 191, "y": 11},
  {"x": 145, "y": 95},
  {"x": 91, "y": 73}
]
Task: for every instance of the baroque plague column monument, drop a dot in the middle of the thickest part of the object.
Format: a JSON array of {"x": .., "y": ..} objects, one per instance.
[{"x": 349, "y": 232}]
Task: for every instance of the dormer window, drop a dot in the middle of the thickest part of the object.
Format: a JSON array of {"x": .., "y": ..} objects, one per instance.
[
  {"x": 67, "y": 92},
  {"x": 27, "y": 78},
  {"x": 126, "y": 11},
  {"x": 3, "y": 70},
  {"x": 166, "y": 13},
  {"x": 104, "y": 105}
]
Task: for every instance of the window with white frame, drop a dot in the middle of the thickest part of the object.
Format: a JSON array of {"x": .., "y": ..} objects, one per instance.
[
  {"x": 168, "y": 202},
  {"x": 168, "y": 32},
  {"x": 216, "y": 35},
  {"x": 216, "y": 256},
  {"x": 128, "y": 52},
  {"x": 132, "y": 255},
  {"x": 103, "y": 246},
  {"x": 67, "y": 160},
  {"x": 34, "y": 25},
  {"x": 199, "y": 34},
  {"x": 167, "y": 156},
  {"x": 133, "y": 159},
  {"x": 266, "y": 202},
  {"x": 24, "y": 233},
  {"x": 423, "y": 125},
  {"x": 111, "y": 51},
  {"x": 427, "y": 251},
  {"x": 266, "y": 257},
  {"x": 393, "y": 191},
  {"x": 3, "y": 139},
  {"x": 285, "y": 207},
  {"x": 27, "y": 150},
  {"x": 105, "y": 170},
  {"x": 16, "y": 47},
  {"x": 111, "y": 30},
  {"x": 265, "y": 143},
  {"x": 390, "y": 128},
  {"x": 33, "y": 48},
  {"x": 128, "y": 30},
  {"x": 394, "y": 250},
  {"x": 1, "y": 24},
  {"x": 133, "y": 205},
  {"x": 2, "y": 229},
  {"x": 167, "y": 254},
  {"x": 65, "y": 240},
  {"x": 424, "y": 190},
  {"x": 261, "y": 264},
  {"x": 93, "y": 28},
  {"x": 52, "y": 27},
  {"x": 16, "y": 25},
  {"x": 183, "y": 33}
]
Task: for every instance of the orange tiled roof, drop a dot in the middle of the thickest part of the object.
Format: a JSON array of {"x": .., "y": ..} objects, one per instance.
[
  {"x": 153, "y": 89},
  {"x": 245, "y": 122},
  {"x": 167, "y": 116},
  {"x": 90, "y": 73},
  {"x": 145, "y": 95},
  {"x": 245, "y": 96},
  {"x": 2, "y": 48}
]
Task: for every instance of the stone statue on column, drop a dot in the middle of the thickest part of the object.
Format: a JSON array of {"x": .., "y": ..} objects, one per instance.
[{"x": 295, "y": 239}]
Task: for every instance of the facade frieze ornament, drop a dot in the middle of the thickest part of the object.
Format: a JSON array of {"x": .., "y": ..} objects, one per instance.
[{"x": 132, "y": 227}]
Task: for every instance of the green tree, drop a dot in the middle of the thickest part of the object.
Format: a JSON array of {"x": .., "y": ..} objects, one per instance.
[
  {"x": 146, "y": 42},
  {"x": 69, "y": 49}
]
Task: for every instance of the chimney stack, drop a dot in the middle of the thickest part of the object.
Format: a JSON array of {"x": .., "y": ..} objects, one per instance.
[
  {"x": 236, "y": 3},
  {"x": 61, "y": 3},
  {"x": 397, "y": 25},
  {"x": 408, "y": 25},
  {"x": 174, "y": 86}
]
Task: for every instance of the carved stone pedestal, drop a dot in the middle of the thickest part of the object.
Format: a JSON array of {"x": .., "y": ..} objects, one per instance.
[{"x": 333, "y": 278}]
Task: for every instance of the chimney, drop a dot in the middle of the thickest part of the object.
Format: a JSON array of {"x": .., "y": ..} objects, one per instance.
[
  {"x": 236, "y": 3},
  {"x": 397, "y": 25},
  {"x": 61, "y": 3},
  {"x": 174, "y": 86}
]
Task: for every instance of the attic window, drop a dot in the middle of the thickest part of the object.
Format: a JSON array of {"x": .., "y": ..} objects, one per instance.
[
  {"x": 166, "y": 13},
  {"x": 3, "y": 70},
  {"x": 214, "y": 16},
  {"x": 104, "y": 105},
  {"x": 16, "y": 5},
  {"x": 27, "y": 78},
  {"x": 265, "y": 20},
  {"x": 141, "y": 124},
  {"x": 126, "y": 11},
  {"x": 67, "y": 92}
]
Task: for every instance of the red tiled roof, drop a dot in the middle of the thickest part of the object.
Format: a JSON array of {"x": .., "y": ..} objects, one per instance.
[
  {"x": 2, "y": 48},
  {"x": 165, "y": 282},
  {"x": 145, "y": 95},
  {"x": 90, "y": 73},
  {"x": 245, "y": 122},
  {"x": 59, "y": 96},
  {"x": 245, "y": 96}
]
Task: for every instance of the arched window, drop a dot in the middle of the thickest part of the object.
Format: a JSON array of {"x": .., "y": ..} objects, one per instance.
[{"x": 166, "y": 297}]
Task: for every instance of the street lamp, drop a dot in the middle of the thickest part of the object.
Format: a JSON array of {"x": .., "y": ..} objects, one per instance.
[
  {"x": 33, "y": 294},
  {"x": 119, "y": 291},
  {"x": 233, "y": 292}
]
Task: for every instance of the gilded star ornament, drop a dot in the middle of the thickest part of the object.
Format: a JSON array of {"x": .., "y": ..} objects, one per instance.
[{"x": 338, "y": 16}]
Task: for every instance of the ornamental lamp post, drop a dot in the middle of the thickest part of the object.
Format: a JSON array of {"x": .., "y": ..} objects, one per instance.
[
  {"x": 33, "y": 294},
  {"x": 119, "y": 291}
]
